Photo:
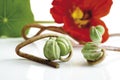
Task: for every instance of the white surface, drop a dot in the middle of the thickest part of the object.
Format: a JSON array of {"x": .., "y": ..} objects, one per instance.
[{"x": 13, "y": 67}]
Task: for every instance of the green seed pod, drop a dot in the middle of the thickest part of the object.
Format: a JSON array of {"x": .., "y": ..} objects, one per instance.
[
  {"x": 92, "y": 52},
  {"x": 101, "y": 29},
  {"x": 56, "y": 47},
  {"x": 95, "y": 35},
  {"x": 51, "y": 49},
  {"x": 65, "y": 45}
]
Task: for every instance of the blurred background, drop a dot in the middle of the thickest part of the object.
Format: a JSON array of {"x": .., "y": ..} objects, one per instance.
[{"x": 41, "y": 9}]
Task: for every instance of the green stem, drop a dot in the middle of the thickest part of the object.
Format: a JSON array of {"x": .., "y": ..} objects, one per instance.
[{"x": 48, "y": 22}]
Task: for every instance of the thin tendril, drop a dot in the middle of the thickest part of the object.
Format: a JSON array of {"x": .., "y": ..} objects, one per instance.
[{"x": 48, "y": 22}]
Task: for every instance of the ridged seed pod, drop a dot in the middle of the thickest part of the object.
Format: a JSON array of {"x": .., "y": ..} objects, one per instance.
[
  {"x": 65, "y": 45},
  {"x": 92, "y": 52},
  {"x": 96, "y": 33},
  {"x": 51, "y": 49},
  {"x": 56, "y": 47}
]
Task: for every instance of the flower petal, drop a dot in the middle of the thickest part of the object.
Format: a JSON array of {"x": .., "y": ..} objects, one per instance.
[
  {"x": 79, "y": 34},
  {"x": 98, "y": 8},
  {"x": 83, "y": 34},
  {"x": 60, "y": 9},
  {"x": 61, "y": 12},
  {"x": 57, "y": 14},
  {"x": 62, "y": 3}
]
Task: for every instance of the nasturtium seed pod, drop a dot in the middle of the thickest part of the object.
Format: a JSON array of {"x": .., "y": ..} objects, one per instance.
[
  {"x": 56, "y": 47},
  {"x": 95, "y": 34},
  {"x": 101, "y": 29},
  {"x": 65, "y": 45},
  {"x": 92, "y": 52},
  {"x": 51, "y": 49}
]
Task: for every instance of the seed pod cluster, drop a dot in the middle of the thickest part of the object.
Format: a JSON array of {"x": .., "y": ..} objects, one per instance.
[
  {"x": 56, "y": 47},
  {"x": 92, "y": 51}
]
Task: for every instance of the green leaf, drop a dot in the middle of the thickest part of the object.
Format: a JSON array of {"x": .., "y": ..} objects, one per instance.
[{"x": 14, "y": 15}]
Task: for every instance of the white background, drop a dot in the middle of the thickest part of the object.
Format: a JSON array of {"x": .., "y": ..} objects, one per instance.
[{"x": 12, "y": 67}]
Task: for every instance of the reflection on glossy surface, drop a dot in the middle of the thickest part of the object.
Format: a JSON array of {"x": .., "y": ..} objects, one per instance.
[
  {"x": 38, "y": 73},
  {"x": 35, "y": 73}
]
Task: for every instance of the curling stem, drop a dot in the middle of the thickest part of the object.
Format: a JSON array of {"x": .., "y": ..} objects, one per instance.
[{"x": 32, "y": 57}]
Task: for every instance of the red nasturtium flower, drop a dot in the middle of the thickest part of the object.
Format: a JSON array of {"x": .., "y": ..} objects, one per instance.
[{"x": 79, "y": 15}]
